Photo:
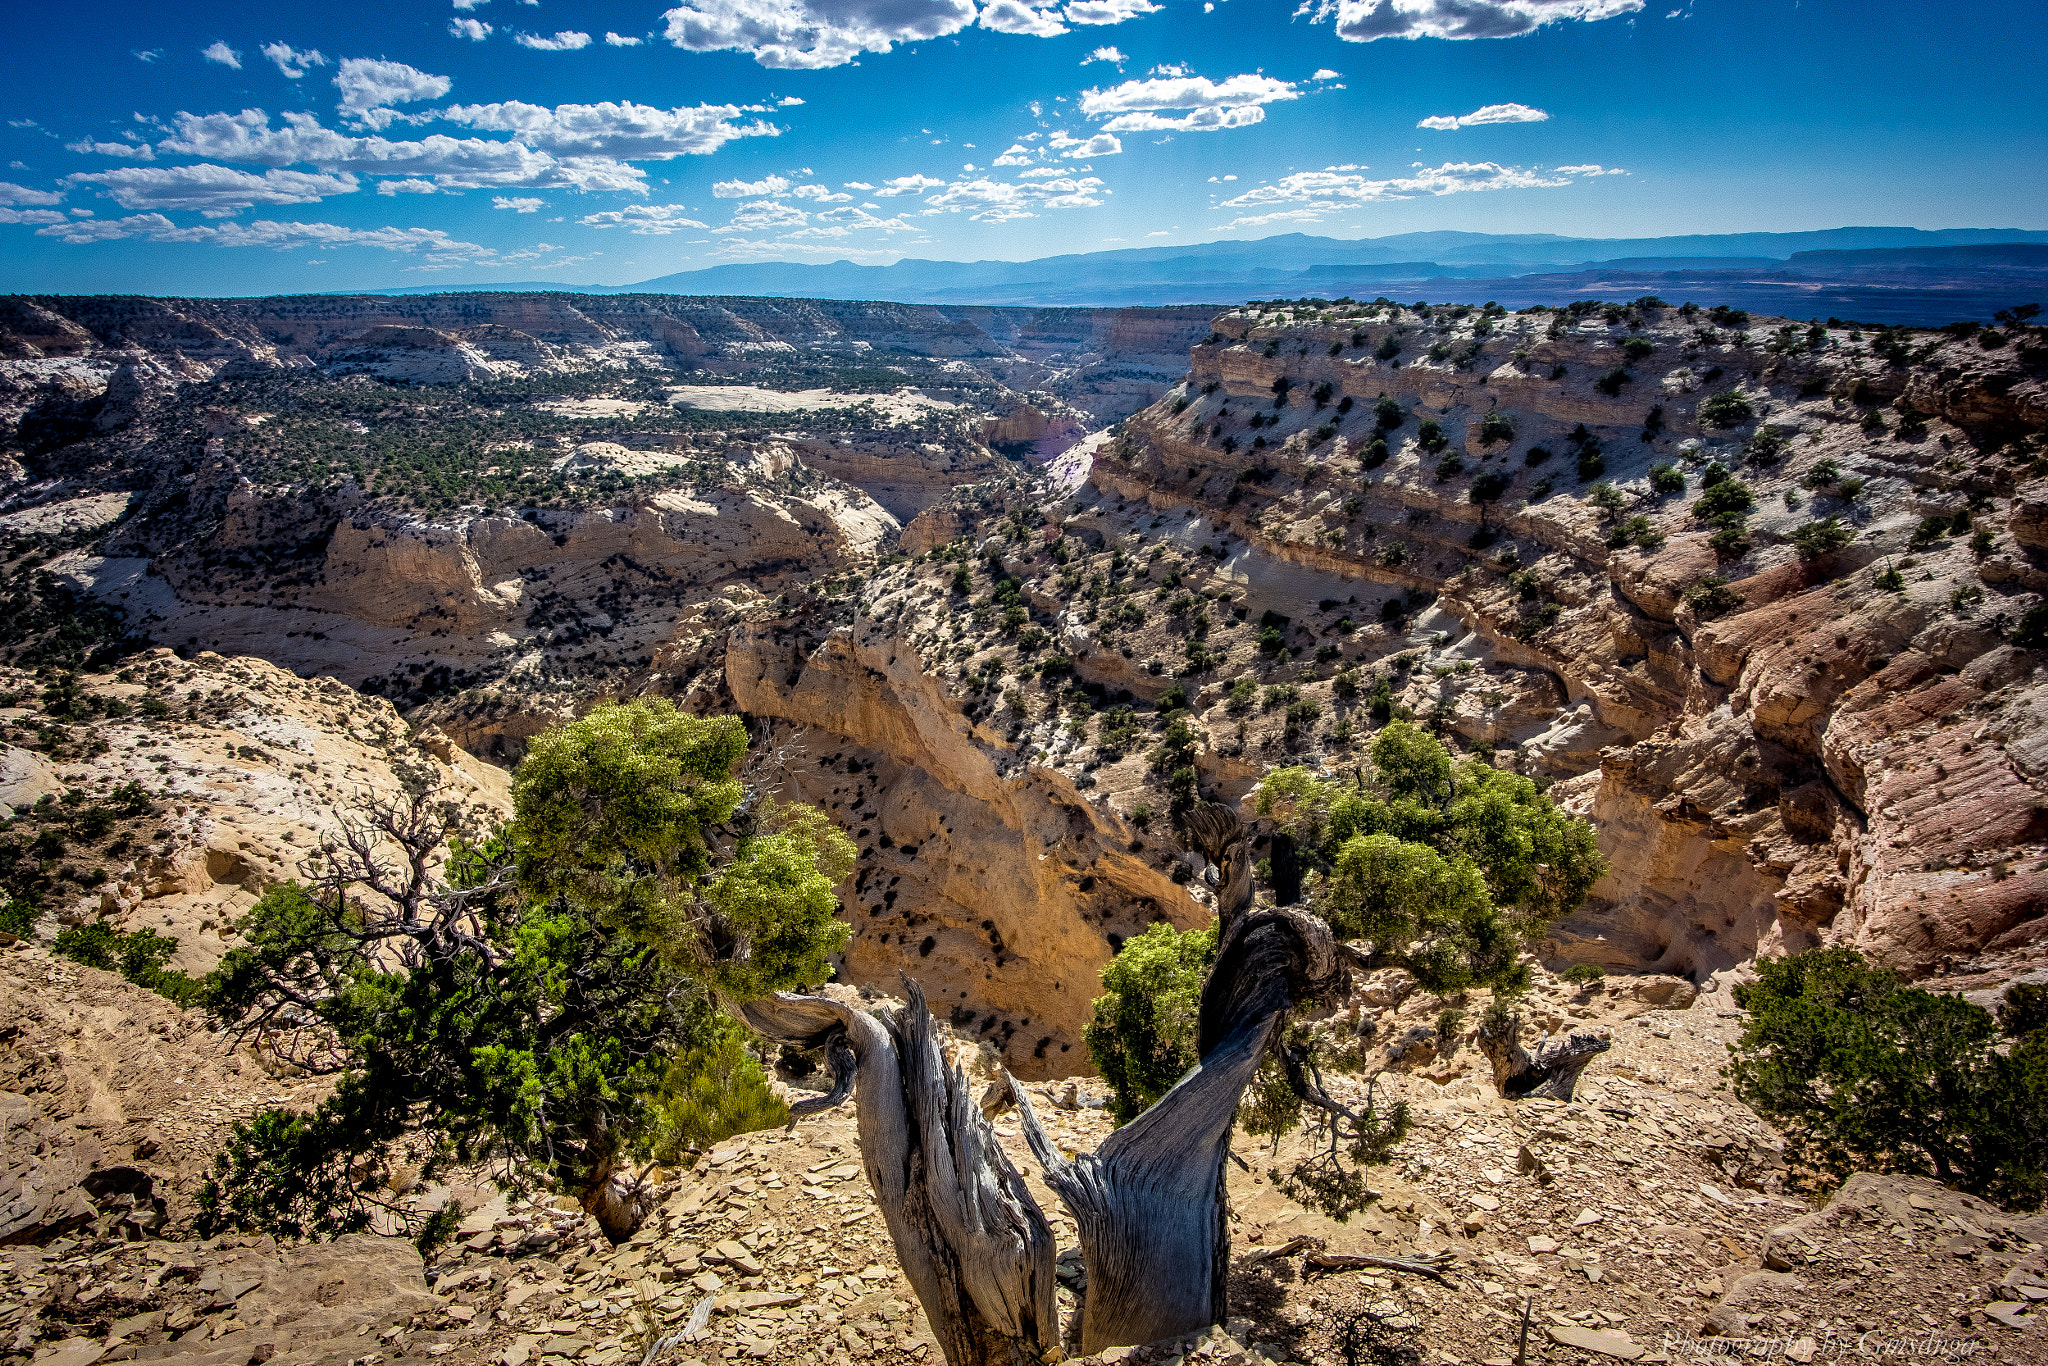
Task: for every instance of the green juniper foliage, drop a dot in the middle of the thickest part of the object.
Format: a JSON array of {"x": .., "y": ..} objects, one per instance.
[
  {"x": 1864, "y": 1073},
  {"x": 1143, "y": 1035},
  {"x": 548, "y": 998}
]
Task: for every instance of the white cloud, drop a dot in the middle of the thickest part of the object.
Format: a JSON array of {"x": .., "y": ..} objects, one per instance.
[
  {"x": 823, "y": 194},
  {"x": 1101, "y": 145},
  {"x": 774, "y": 185},
  {"x": 1316, "y": 194},
  {"x": 215, "y": 191},
  {"x": 470, "y": 4},
  {"x": 140, "y": 151},
  {"x": 1194, "y": 121},
  {"x": 291, "y": 62},
  {"x": 764, "y": 215},
  {"x": 145, "y": 54},
  {"x": 1112, "y": 55},
  {"x": 645, "y": 220},
  {"x": 1323, "y": 73},
  {"x": 523, "y": 204},
  {"x": 436, "y": 245},
  {"x": 476, "y": 30},
  {"x": 454, "y": 163},
  {"x": 907, "y": 184},
  {"x": 639, "y": 131},
  {"x": 34, "y": 216},
  {"x": 994, "y": 201},
  {"x": 741, "y": 249},
  {"x": 11, "y": 193},
  {"x": 1485, "y": 114},
  {"x": 808, "y": 34},
  {"x": 1211, "y": 106},
  {"x": 222, "y": 53},
  {"x": 1186, "y": 92},
  {"x": 368, "y": 85},
  {"x": 1011, "y": 16},
  {"x": 861, "y": 185},
  {"x": 1017, "y": 155},
  {"x": 1590, "y": 170},
  {"x": 788, "y": 102},
  {"x": 1043, "y": 172},
  {"x": 1363, "y": 21},
  {"x": 1099, "y": 12},
  {"x": 388, "y": 187},
  {"x": 620, "y": 40},
  {"x": 568, "y": 40}
]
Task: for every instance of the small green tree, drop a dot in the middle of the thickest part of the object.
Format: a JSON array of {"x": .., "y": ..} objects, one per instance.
[
  {"x": 710, "y": 1091},
  {"x": 1863, "y": 1072},
  {"x": 1142, "y": 1037}
]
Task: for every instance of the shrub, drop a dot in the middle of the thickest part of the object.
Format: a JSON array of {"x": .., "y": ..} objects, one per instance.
[
  {"x": 1728, "y": 409},
  {"x": 1824, "y": 537},
  {"x": 1930, "y": 531},
  {"x": 1730, "y": 540},
  {"x": 1863, "y": 1073},
  {"x": 1489, "y": 486},
  {"x": 1824, "y": 472},
  {"x": 1430, "y": 436},
  {"x": 1388, "y": 348},
  {"x": 1536, "y": 455},
  {"x": 1592, "y": 464},
  {"x": 1375, "y": 454},
  {"x": 710, "y": 1091},
  {"x": 1666, "y": 479},
  {"x": 1143, "y": 1034},
  {"x": 1242, "y": 692},
  {"x": 1580, "y": 974},
  {"x": 1637, "y": 349},
  {"x": 1611, "y": 382},
  {"x": 1712, "y": 596},
  {"x": 1447, "y": 868},
  {"x": 1722, "y": 498},
  {"x": 1495, "y": 428},
  {"x": 1452, "y": 464}
]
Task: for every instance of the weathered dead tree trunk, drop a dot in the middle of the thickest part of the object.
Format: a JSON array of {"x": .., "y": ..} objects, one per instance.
[
  {"x": 973, "y": 1242},
  {"x": 1551, "y": 1072},
  {"x": 1150, "y": 1203}
]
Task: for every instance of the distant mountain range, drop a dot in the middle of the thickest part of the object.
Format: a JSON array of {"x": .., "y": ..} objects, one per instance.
[{"x": 1869, "y": 274}]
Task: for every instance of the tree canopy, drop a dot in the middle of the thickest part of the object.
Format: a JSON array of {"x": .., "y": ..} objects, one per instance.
[
  {"x": 1448, "y": 868},
  {"x": 546, "y": 991}
]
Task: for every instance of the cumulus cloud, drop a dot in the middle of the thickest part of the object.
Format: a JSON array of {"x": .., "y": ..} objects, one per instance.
[
  {"x": 1011, "y": 16},
  {"x": 823, "y": 194},
  {"x": 369, "y": 86},
  {"x": 1101, "y": 12},
  {"x": 1017, "y": 155},
  {"x": 1112, "y": 55},
  {"x": 1310, "y": 195},
  {"x": 764, "y": 215},
  {"x": 568, "y": 40},
  {"x": 292, "y": 63},
  {"x": 215, "y": 191},
  {"x": 139, "y": 151},
  {"x": 1590, "y": 170},
  {"x": 783, "y": 249},
  {"x": 1074, "y": 149},
  {"x": 476, "y": 30},
  {"x": 994, "y": 201},
  {"x": 437, "y": 246},
  {"x": 848, "y": 221},
  {"x": 645, "y": 220},
  {"x": 35, "y": 216},
  {"x": 1364, "y": 21},
  {"x": 808, "y": 34},
  {"x": 774, "y": 186},
  {"x": 1485, "y": 114},
  {"x": 470, "y": 4},
  {"x": 222, "y": 53},
  {"x": 405, "y": 187},
  {"x": 620, "y": 40},
  {"x": 522, "y": 204},
  {"x": 907, "y": 184},
  {"x": 637, "y": 131},
  {"x": 1207, "y": 106},
  {"x": 1323, "y": 73},
  {"x": 11, "y": 193},
  {"x": 453, "y": 163}
]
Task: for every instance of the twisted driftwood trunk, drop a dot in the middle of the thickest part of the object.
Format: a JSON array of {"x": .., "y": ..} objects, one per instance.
[
  {"x": 973, "y": 1242},
  {"x": 1551, "y": 1072}
]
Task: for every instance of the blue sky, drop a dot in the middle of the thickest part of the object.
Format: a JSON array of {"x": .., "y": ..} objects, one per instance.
[{"x": 236, "y": 148}]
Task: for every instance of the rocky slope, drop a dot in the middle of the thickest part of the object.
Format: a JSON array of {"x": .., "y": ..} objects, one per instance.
[
  {"x": 1777, "y": 749},
  {"x": 1643, "y": 1216}
]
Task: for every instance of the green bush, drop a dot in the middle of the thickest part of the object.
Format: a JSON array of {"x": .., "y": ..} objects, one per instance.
[
  {"x": 1637, "y": 349},
  {"x": 1447, "y": 868},
  {"x": 1712, "y": 596},
  {"x": 1580, "y": 974},
  {"x": 1824, "y": 537},
  {"x": 710, "y": 1091},
  {"x": 1728, "y": 409},
  {"x": 1722, "y": 498},
  {"x": 1430, "y": 436},
  {"x": 1666, "y": 479},
  {"x": 1863, "y": 1073},
  {"x": 1142, "y": 1037},
  {"x": 1611, "y": 382},
  {"x": 1495, "y": 428}
]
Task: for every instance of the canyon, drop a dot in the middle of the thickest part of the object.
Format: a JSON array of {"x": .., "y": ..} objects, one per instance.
[{"x": 484, "y": 511}]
